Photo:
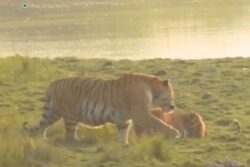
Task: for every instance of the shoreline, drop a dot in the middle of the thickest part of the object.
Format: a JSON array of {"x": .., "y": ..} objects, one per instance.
[{"x": 122, "y": 58}]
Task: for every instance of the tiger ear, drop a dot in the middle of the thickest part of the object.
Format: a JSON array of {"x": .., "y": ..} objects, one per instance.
[{"x": 166, "y": 82}]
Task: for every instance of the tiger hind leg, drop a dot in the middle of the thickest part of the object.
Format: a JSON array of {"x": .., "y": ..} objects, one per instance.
[
  {"x": 49, "y": 117},
  {"x": 71, "y": 126}
]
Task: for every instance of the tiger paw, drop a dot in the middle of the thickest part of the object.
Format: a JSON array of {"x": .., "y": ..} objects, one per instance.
[{"x": 179, "y": 135}]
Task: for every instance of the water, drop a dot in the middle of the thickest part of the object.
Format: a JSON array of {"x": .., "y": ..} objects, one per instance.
[{"x": 126, "y": 29}]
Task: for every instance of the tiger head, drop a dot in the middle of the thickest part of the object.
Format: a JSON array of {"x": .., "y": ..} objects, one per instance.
[{"x": 163, "y": 95}]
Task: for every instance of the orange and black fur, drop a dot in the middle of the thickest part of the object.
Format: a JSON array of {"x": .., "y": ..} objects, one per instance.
[
  {"x": 189, "y": 124},
  {"x": 94, "y": 102}
]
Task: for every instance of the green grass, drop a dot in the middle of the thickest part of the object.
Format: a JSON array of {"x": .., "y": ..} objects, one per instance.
[{"x": 217, "y": 89}]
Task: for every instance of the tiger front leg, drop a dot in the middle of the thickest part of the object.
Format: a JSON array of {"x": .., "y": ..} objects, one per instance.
[
  {"x": 146, "y": 121},
  {"x": 123, "y": 132}
]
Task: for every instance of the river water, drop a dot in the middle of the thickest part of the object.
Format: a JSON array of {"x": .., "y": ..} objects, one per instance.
[{"x": 126, "y": 29}]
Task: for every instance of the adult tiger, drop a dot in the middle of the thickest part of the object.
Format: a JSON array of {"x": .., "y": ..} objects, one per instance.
[
  {"x": 93, "y": 102},
  {"x": 190, "y": 124}
]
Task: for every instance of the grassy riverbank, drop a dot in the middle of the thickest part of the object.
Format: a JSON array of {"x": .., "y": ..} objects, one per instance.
[{"x": 217, "y": 89}]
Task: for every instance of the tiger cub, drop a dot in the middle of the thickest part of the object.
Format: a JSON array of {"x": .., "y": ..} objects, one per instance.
[{"x": 190, "y": 124}]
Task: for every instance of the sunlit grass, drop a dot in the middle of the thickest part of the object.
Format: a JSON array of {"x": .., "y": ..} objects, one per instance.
[
  {"x": 20, "y": 150},
  {"x": 216, "y": 89}
]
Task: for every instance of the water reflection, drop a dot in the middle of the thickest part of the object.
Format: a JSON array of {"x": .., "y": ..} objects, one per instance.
[{"x": 134, "y": 29}]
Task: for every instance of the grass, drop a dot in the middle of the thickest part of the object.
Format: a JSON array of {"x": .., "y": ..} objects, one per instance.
[{"x": 218, "y": 89}]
